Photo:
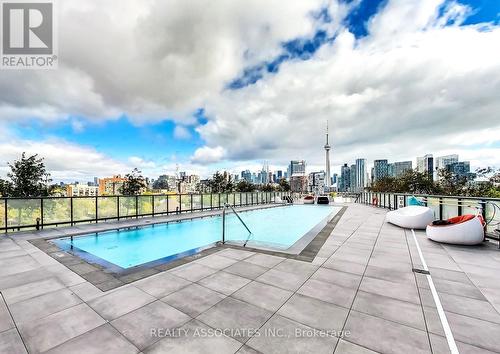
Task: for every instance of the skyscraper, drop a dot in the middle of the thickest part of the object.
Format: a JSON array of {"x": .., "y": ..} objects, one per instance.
[
  {"x": 345, "y": 178},
  {"x": 425, "y": 164},
  {"x": 380, "y": 169},
  {"x": 353, "y": 187},
  {"x": 297, "y": 168},
  {"x": 327, "y": 157},
  {"x": 360, "y": 174},
  {"x": 396, "y": 169},
  {"x": 460, "y": 169},
  {"x": 429, "y": 164},
  {"x": 445, "y": 161}
]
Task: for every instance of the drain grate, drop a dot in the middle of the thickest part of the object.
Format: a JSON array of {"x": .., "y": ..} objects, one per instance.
[{"x": 421, "y": 271}]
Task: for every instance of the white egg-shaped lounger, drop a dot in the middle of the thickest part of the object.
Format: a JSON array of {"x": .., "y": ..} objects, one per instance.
[
  {"x": 467, "y": 232},
  {"x": 411, "y": 217}
]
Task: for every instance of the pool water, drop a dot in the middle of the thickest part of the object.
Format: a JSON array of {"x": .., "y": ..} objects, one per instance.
[{"x": 278, "y": 227}]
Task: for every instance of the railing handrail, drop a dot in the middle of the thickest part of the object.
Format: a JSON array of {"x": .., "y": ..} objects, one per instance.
[
  {"x": 436, "y": 196},
  {"x": 238, "y": 216},
  {"x": 36, "y": 213},
  {"x": 395, "y": 200}
]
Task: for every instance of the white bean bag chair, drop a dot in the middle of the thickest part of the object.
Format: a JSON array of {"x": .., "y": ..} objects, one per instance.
[
  {"x": 411, "y": 217},
  {"x": 462, "y": 230}
]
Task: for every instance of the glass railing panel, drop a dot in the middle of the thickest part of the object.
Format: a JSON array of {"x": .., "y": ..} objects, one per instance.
[
  {"x": 207, "y": 201},
  {"x": 127, "y": 206},
  {"x": 107, "y": 207},
  {"x": 145, "y": 204},
  {"x": 174, "y": 203},
  {"x": 161, "y": 204},
  {"x": 470, "y": 206},
  {"x": 23, "y": 212},
  {"x": 224, "y": 198},
  {"x": 450, "y": 208},
  {"x": 56, "y": 210},
  {"x": 433, "y": 204},
  {"x": 196, "y": 202},
  {"x": 84, "y": 209},
  {"x": 237, "y": 199},
  {"x": 185, "y": 200},
  {"x": 2, "y": 213},
  {"x": 493, "y": 217}
]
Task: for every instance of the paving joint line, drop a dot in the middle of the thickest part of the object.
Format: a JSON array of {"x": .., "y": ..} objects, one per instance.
[{"x": 442, "y": 316}]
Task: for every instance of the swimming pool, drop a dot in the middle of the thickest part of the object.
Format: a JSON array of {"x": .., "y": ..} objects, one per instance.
[{"x": 279, "y": 228}]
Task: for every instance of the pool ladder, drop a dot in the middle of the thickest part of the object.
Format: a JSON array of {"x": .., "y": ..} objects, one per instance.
[{"x": 227, "y": 205}]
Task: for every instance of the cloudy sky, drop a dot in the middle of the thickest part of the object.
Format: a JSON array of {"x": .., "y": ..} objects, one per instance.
[{"x": 226, "y": 84}]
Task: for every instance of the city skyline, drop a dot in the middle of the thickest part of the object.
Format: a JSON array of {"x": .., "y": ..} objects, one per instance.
[{"x": 247, "y": 90}]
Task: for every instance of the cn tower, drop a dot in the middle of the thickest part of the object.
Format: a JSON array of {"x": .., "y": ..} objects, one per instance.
[{"x": 327, "y": 156}]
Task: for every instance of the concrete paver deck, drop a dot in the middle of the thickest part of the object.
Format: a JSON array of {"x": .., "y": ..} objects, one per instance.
[{"x": 359, "y": 295}]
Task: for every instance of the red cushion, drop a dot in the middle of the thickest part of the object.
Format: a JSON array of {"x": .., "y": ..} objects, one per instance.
[{"x": 464, "y": 218}]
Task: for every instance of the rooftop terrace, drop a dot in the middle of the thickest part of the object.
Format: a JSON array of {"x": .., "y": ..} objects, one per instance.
[{"x": 360, "y": 287}]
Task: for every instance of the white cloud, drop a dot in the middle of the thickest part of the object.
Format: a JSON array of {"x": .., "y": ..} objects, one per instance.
[
  {"x": 150, "y": 59},
  {"x": 64, "y": 160},
  {"x": 208, "y": 155},
  {"x": 140, "y": 163},
  {"x": 181, "y": 132},
  {"x": 410, "y": 87}
]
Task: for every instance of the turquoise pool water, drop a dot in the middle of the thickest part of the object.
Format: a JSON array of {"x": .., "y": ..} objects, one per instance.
[{"x": 278, "y": 227}]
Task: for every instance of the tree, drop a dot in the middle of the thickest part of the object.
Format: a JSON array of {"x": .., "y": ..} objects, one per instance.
[
  {"x": 267, "y": 188},
  {"x": 29, "y": 177},
  {"x": 221, "y": 182},
  {"x": 134, "y": 184},
  {"x": 450, "y": 183},
  {"x": 284, "y": 186},
  {"x": 5, "y": 188},
  {"x": 245, "y": 186},
  {"x": 160, "y": 183}
]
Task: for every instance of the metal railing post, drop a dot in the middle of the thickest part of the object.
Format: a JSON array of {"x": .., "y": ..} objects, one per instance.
[
  {"x": 41, "y": 212},
  {"x": 71, "y": 210},
  {"x": 153, "y": 205},
  {"x": 223, "y": 225},
  {"x": 96, "y": 208},
  {"x": 137, "y": 207},
  {"x": 459, "y": 206},
  {"x": 6, "y": 219},
  {"x": 118, "y": 207},
  {"x": 440, "y": 208}
]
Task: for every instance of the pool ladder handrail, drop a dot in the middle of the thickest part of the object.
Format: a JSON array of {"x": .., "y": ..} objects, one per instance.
[{"x": 227, "y": 205}]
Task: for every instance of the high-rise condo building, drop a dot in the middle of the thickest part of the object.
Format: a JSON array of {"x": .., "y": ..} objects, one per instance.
[
  {"x": 360, "y": 174},
  {"x": 396, "y": 169},
  {"x": 445, "y": 161},
  {"x": 380, "y": 169},
  {"x": 353, "y": 187},
  {"x": 317, "y": 182},
  {"x": 345, "y": 178},
  {"x": 461, "y": 169},
  {"x": 425, "y": 164},
  {"x": 297, "y": 168}
]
